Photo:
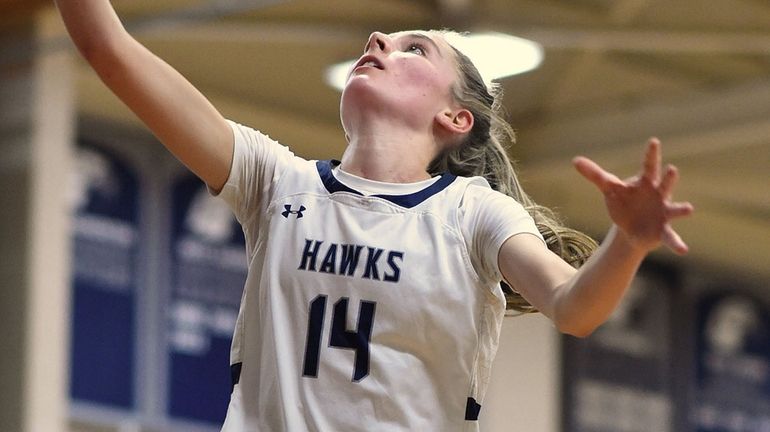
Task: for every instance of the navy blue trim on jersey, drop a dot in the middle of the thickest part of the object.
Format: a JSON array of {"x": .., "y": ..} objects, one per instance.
[
  {"x": 408, "y": 201},
  {"x": 472, "y": 409},
  {"x": 235, "y": 374}
]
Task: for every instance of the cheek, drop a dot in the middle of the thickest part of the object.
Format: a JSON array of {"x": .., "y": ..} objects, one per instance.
[
  {"x": 424, "y": 80},
  {"x": 417, "y": 72}
]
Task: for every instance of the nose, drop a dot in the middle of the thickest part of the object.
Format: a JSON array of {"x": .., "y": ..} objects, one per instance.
[{"x": 378, "y": 41}]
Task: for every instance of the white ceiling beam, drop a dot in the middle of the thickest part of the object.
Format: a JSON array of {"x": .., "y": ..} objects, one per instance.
[
  {"x": 553, "y": 38},
  {"x": 265, "y": 32},
  {"x": 742, "y": 213},
  {"x": 647, "y": 40},
  {"x": 175, "y": 19},
  {"x": 632, "y": 40},
  {"x": 614, "y": 127},
  {"x": 309, "y": 137},
  {"x": 625, "y": 11},
  {"x": 207, "y": 11},
  {"x": 455, "y": 7},
  {"x": 716, "y": 236},
  {"x": 582, "y": 68},
  {"x": 724, "y": 187}
]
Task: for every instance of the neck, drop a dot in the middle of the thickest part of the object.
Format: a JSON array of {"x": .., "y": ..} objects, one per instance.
[{"x": 389, "y": 153}]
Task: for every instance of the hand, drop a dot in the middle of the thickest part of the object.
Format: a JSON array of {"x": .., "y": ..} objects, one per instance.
[{"x": 641, "y": 206}]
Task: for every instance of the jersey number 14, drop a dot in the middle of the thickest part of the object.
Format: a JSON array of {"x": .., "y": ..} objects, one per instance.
[{"x": 340, "y": 336}]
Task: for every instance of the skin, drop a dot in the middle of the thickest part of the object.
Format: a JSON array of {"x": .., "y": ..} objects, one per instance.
[
  {"x": 177, "y": 113},
  {"x": 404, "y": 109},
  {"x": 578, "y": 301}
]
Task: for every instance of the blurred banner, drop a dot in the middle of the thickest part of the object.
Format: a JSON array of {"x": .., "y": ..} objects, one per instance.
[
  {"x": 732, "y": 377},
  {"x": 619, "y": 379},
  {"x": 104, "y": 198},
  {"x": 208, "y": 272},
  {"x": 692, "y": 358},
  {"x": 153, "y": 315}
]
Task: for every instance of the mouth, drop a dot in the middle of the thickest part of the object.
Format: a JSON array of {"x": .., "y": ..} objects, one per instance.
[{"x": 369, "y": 61}]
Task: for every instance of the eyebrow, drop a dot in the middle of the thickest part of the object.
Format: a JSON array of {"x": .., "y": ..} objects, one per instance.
[{"x": 426, "y": 39}]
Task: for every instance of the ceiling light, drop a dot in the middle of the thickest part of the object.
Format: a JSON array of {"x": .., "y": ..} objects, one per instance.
[{"x": 496, "y": 55}]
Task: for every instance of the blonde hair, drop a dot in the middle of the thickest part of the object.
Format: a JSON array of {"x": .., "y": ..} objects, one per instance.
[{"x": 483, "y": 153}]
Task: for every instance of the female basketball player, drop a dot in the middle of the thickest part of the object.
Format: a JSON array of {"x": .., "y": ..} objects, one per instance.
[{"x": 373, "y": 300}]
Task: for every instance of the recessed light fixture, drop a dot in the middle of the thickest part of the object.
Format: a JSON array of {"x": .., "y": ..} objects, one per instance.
[{"x": 496, "y": 55}]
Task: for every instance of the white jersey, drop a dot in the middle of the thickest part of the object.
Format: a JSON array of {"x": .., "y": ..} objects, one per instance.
[{"x": 362, "y": 313}]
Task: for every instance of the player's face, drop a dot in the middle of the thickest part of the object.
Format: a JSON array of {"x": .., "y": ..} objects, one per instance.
[{"x": 408, "y": 75}]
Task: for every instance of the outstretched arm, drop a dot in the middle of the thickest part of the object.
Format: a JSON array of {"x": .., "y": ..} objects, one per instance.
[
  {"x": 578, "y": 301},
  {"x": 177, "y": 113}
]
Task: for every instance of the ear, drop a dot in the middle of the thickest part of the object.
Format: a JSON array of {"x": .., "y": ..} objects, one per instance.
[{"x": 455, "y": 121}]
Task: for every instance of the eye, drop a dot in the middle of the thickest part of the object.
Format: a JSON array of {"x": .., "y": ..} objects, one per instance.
[{"x": 416, "y": 48}]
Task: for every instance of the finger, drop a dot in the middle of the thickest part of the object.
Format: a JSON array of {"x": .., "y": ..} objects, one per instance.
[
  {"x": 652, "y": 161},
  {"x": 669, "y": 180},
  {"x": 677, "y": 210},
  {"x": 595, "y": 174},
  {"x": 673, "y": 241}
]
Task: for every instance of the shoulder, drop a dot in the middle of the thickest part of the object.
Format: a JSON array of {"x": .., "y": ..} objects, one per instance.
[
  {"x": 249, "y": 136},
  {"x": 478, "y": 195},
  {"x": 487, "y": 219},
  {"x": 487, "y": 213},
  {"x": 255, "y": 147}
]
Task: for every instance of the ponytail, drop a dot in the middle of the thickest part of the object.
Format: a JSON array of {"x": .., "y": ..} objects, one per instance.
[{"x": 484, "y": 153}]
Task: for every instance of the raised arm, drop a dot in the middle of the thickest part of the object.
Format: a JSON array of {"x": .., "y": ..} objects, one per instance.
[
  {"x": 175, "y": 111},
  {"x": 578, "y": 301}
]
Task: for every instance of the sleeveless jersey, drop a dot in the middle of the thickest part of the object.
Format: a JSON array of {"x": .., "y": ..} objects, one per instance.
[{"x": 359, "y": 313}]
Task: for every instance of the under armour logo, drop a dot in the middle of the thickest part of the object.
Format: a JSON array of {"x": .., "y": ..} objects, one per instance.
[{"x": 289, "y": 211}]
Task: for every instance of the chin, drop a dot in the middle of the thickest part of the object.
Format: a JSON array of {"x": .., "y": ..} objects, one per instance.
[
  {"x": 359, "y": 86},
  {"x": 360, "y": 96},
  {"x": 360, "y": 99}
]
